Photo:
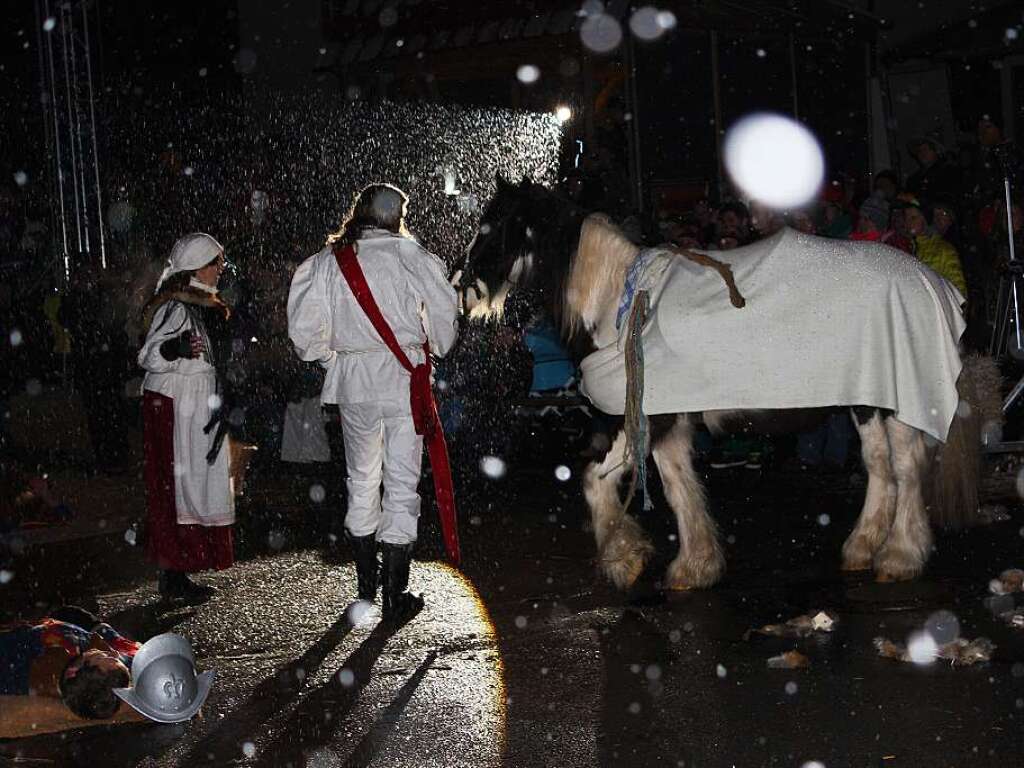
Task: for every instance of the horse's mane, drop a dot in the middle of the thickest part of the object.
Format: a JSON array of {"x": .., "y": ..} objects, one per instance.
[{"x": 598, "y": 272}]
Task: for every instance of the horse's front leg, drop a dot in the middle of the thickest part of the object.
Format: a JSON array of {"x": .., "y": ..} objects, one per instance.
[
  {"x": 622, "y": 547},
  {"x": 700, "y": 562},
  {"x": 880, "y": 498},
  {"x": 909, "y": 543}
]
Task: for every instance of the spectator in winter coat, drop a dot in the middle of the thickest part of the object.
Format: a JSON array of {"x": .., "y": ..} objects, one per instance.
[
  {"x": 936, "y": 178},
  {"x": 931, "y": 249}
]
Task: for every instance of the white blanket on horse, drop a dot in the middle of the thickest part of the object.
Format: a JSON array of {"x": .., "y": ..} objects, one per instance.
[{"x": 826, "y": 323}]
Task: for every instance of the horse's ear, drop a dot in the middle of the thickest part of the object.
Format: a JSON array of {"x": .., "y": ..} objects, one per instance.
[{"x": 502, "y": 184}]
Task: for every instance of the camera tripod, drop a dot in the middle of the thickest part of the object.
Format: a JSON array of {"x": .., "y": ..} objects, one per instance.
[{"x": 1007, "y": 331}]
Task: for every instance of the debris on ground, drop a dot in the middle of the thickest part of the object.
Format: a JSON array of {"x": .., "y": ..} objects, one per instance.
[
  {"x": 801, "y": 626},
  {"x": 1013, "y": 618},
  {"x": 1008, "y": 582},
  {"x": 960, "y": 652},
  {"x": 789, "y": 660}
]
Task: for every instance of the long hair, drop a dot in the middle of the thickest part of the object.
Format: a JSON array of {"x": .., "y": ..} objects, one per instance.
[
  {"x": 377, "y": 206},
  {"x": 597, "y": 273}
]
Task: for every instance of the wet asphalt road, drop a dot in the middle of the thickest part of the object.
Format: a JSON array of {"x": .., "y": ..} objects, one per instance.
[{"x": 527, "y": 659}]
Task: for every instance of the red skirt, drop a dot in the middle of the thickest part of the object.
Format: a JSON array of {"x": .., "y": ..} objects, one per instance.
[{"x": 172, "y": 546}]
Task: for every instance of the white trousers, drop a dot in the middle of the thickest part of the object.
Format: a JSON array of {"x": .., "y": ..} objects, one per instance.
[{"x": 381, "y": 446}]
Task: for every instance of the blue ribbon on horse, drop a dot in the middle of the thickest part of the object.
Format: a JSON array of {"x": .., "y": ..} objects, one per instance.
[{"x": 629, "y": 287}]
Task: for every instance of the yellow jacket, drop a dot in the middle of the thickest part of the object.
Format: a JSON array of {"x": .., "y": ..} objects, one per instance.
[{"x": 935, "y": 252}]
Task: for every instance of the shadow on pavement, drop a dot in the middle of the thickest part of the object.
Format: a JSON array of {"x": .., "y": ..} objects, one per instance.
[
  {"x": 223, "y": 743},
  {"x": 314, "y": 722}
]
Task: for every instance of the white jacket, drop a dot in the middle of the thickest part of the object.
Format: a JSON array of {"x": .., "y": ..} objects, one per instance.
[{"x": 326, "y": 324}]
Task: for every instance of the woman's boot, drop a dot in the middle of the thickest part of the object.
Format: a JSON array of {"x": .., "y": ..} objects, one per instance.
[
  {"x": 364, "y": 550},
  {"x": 398, "y": 604}
]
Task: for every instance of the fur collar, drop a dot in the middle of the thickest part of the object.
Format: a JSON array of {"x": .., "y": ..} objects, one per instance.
[{"x": 185, "y": 296}]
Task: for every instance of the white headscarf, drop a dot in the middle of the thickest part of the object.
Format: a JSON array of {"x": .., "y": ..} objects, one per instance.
[{"x": 190, "y": 252}]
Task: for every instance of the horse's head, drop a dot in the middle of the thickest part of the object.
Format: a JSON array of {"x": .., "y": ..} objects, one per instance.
[{"x": 503, "y": 253}]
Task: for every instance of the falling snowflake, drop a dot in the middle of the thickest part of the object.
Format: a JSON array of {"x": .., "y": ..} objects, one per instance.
[
  {"x": 214, "y": 401},
  {"x": 645, "y": 23},
  {"x": 317, "y": 493},
  {"x": 562, "y": 472},
  {"x": 347, "y": 678},
  {"x": 50, "y": 24},
  {"x": 16, "y": 338},
  {"x": 721, "y": 671},
  {"x": 601, "y": 33},
  {"x": 249, "y": 749},
  {"x": 791, "y": 688},
  {"x": 6, "y": 576},
  {"x": 33, "y": 387},
  {"x": 20, "y": 178},
  {"x": 275, "y": 540},
  {"x": 921, "y": 648},
  {"x": 527, "y": 74},
  {"x": 493, "y": 467},
  {"x": 521, "y": 622},
  {"x": 824, "y": 519},
  {"x": 789, "y": 174}
]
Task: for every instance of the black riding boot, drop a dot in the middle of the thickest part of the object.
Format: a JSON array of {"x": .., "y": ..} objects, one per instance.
[
  {"x": 364, "y": 549},
  {"x": 398, "y": 604}
]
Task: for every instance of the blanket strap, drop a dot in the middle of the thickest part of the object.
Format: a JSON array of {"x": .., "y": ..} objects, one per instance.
[
  {"x": 724, "y": 271},
  {"x": 637, "y": 437}
]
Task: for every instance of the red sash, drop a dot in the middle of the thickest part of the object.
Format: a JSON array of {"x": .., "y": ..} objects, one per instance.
[{"x": 424, "y": 409}]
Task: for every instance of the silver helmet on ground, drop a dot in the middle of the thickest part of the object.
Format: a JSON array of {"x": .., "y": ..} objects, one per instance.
[{"x": 165, "y": 686}]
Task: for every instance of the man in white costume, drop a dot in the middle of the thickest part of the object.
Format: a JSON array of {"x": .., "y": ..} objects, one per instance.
[{"x": 327, "y": 324}]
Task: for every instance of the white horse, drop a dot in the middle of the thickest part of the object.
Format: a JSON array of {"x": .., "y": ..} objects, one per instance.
[{"x": 530, "y": 237}]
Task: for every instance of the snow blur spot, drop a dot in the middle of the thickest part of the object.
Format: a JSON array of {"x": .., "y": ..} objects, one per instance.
[
  {"x": 791, "y": 688},
  {"x": 991, "y": 432},
  {"x": 634, "y": 708},
  {"x": 921, "y": 648},
  {"x": 813, "y": 764},
  {"x": 824, "y": 519},
  {"x": 249, "y": 749},
  {"x": 644, "y": 23},
  {"x": 50, "y": 24},
  {"x": 33, "y": 387},
  {"x": 761, "y": 53},
  {"x": 130, "y": 536},
  {"x": 562, "y": 472},
  {"x": 675, "y": 636},
  {"x": 214, "y": 401},
  {"x": 317, "y": 493},
  {"x": 360, "y": 613},
  {"x": 275, "y": 540},
  {"x": 6, "y": 576},
  {"x": 347, "y": 678},
  {"x": 203, "y": 71},
  {"x": 189, "y": 170},
  {"x": 353, "y": 92},
  {"x": 493, "y": 467},
  {"x": 1011, "y": 33},
  {"x": 652, "y": 672},
  {"x": 16, "y": 338},
  {"x": 943, "y": 627},
  {"x": 388, "y": 17},
  {"x": 601, "y": 33},
  {"x": 20, "y": 178},
  {"x": 476, "y": 520},
  {"x": 591, "y": 8},
  {"x": 1020, "y": 482},
  {"x": 721, "y": 671},
  {"x": 442, "y": 385},
  {"x": 521, "y": 622},
  {"x": 245, "y": 61},
  {"x": 666, "y": 20},
  {"x": 774, "y": 160},
  {"x": 963, "y": 409},
  {"x": 528, "y": 74}
]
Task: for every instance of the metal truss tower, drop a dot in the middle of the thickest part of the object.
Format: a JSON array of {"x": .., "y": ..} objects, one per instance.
[{"x": 67, "y": 31}]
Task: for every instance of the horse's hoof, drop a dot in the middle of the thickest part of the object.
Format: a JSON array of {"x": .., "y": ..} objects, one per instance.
[
  {"x": 694, "y": 573},
  {"x": 855, "y": 566},
  {"x": 889, "y": 574},
  {"x": 625, "y": 554}
]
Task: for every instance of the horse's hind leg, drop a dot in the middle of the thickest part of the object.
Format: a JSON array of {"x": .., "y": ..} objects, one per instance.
[
  {"x": 622, "y": 547},
  {"x": 700, "y": 562},
  {"x": 880, "y": 499},
  {"x": 906, "y": 550}
]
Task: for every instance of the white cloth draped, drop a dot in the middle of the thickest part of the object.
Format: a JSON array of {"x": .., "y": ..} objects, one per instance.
[
  {"x": 202, "y": 492},
  {"x": 326, "y": 324},
  {"x": 827, "y": 323}
]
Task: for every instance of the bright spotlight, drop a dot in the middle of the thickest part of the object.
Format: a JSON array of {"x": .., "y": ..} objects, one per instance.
[{"x": 563, "y": 113}]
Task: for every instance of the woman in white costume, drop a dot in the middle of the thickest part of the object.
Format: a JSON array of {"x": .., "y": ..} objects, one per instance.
[
  {"x": 366, "y": 381},
  {"x": 190, "y": 506}
]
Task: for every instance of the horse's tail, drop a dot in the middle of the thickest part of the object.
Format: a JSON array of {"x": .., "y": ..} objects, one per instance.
[{"x": 953, "y": 492}]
